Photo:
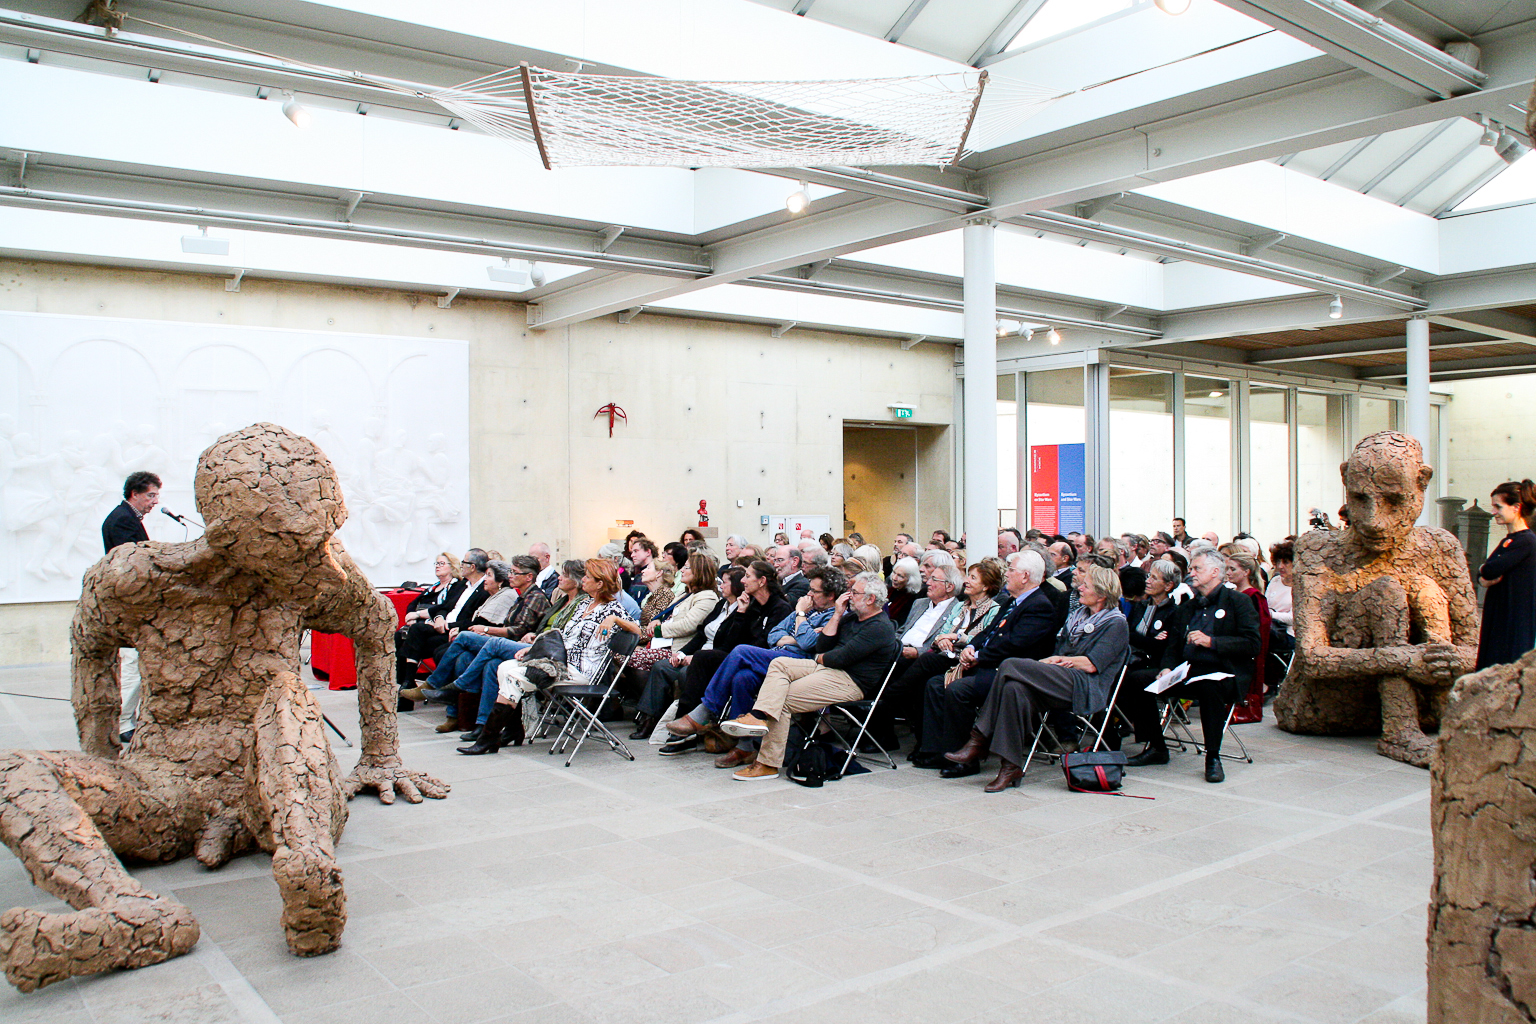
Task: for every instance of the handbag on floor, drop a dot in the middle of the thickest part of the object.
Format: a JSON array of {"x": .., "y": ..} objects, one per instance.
[{"x": 1094, "y": 771}]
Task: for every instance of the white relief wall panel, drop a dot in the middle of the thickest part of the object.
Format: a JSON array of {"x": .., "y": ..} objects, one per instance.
[{"x": 85, "y": 401}]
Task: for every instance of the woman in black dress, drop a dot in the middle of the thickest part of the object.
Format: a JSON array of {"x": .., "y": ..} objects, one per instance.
[{"x": 1509, "y": 611}]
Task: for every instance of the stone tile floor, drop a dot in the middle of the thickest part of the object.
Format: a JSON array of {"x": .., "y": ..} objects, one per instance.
[{"x": 664, "y": 891}]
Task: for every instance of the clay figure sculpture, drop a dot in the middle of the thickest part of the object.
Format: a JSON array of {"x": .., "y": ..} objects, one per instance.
[
  {"x": 1385, "y": 615},
  {"x": 230, "y": 753},
  {"x": 1482, "y": 946}
]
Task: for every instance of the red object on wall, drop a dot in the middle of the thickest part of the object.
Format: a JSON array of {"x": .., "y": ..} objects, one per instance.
[
  {"x": 1043, "y": 496},
  {"x": 614, "y": 412},
  {"x": 331, "y": 656}
]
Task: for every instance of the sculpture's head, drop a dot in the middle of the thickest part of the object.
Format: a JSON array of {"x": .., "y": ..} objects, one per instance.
[
  {"x": 270, "y": 499},
  {"x": 1384, "y": 483}
]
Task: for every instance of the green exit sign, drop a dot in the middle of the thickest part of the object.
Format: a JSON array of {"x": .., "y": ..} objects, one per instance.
[{"x": 902, "y": 412}]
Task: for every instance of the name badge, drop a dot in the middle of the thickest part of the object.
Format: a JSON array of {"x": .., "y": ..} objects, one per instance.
[
  {"x": 1221, "y": 613},
  {"x": 1158, "y": 624},
  {"x": 1088, "y": 627}
]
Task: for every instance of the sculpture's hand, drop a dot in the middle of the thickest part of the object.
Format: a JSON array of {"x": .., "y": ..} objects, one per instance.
[
  {"x": 387, "y": 776},
  {"x": 1442, "y": 663}
]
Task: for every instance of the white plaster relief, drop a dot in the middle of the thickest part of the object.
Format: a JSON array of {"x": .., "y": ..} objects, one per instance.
[{"x": 84, "y": 401}]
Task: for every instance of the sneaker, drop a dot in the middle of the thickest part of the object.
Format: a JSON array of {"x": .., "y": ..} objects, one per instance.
[
  {"x": 685, "y": 745},
  {"x": 746, "y": 725},
  {"x": 756, "y": 770}
]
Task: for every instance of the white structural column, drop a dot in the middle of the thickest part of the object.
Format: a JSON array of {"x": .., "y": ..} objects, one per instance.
[
  {"x": 1418, "y": 395},
  {"x": 979, "y": 514}
]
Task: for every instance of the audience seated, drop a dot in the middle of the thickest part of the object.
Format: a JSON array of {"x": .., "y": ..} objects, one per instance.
[
  {"x": 853, "y": 654},
  {"x": 761, "y": 606},
  {"x": 1150, "y": 620},
  {"x": 1216, "y": 632},
  {"x": 1282, "y": 633},
  {"x": 906, "y": 583},
  {"x": 664, "y": 683},
  {"x": 429, "y": 636},
  {"x": 786, "y": 560},
  {"x": 1242, "y": 573},
  {"x": 675, "y": 626},
  {"x": 1089, "y": 654},
  {"x": 423, "y": 608},
  {"x": 465, "y": 642},
  {"x": 585, "y": 634},
  {"x": 1024, "y": 629},
  {"x": 739, "y": 677}
]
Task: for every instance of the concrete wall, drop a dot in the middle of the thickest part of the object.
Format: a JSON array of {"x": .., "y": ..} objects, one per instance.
[
  {"x": 717, "y": 411},
  {"x": 1490, "y": 436}
]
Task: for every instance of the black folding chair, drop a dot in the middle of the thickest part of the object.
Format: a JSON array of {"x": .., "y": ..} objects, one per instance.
[
  {"x": 582, "y": 703},
  {"x": 855, "y": 714},
  {"x": 1086, "y": 721},
  {"x": 1178, "y": 731}
]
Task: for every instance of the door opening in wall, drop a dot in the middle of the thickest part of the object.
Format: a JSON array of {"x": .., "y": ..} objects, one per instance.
[{"x": 879, "y": 482}]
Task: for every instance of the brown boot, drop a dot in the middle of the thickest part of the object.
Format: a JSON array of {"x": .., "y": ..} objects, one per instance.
[
  {"x": 975, "y": 749},
  {"x": 1008, "y": 775}
]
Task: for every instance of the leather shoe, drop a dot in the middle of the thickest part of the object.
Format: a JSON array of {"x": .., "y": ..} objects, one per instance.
[
  {"x": 960, "y": 771},
  {"x": 412, "y": 693},
  {"x": 975, "y": 749},
  {"x": 684, "y": 726},
  {"x": 1213, "y": 770},
  {"x": 1008, "y": 775},
  {"x": 451, "y": 725},
  {"x": 928, "y": 761},
  {"x": 644, "y": 726},
  {"x": 472, "y": 736},
  {"x": 1149, "y": 755}
]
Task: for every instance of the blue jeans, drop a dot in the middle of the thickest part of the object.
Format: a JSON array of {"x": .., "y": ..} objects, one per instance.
[
  {"x": 740, "y": 676},
  {"x": 480, "y": 675},
  {"x": 459, "y": 654}
]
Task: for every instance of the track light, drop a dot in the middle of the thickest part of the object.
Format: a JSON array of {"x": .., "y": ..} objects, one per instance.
[
  {"x": 536, "y": 275},
  {"x": 798, "y": 200},
  {"x": 1053, "y": 336},
  {"x": 296, "y": 112},
  {"x": 505, "y": 274},
  {"x": 1172, "y": 6},
  {"x": 1510, "y": 148},
  {"x": 203, "y": 245},
  {"x": 1215, "y": 394},
  {"x": 1335, "y": 308}
]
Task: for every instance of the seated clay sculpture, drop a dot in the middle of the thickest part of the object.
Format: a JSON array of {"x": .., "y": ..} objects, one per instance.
[
  {"x": 230, "y": 752},
  {"x": 1385, "y": 614}
]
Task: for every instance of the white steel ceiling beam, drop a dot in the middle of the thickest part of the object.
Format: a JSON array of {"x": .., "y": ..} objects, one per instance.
[
  {"x": 1366, "y": 347},
  {"x": 1495, "y": 322},
  {"x": 1368, "y": 43},
  {"x": 1400, "y": 370}
]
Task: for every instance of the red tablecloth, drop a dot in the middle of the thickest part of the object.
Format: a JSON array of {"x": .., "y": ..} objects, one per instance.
[{"x": 331, "y": 657}]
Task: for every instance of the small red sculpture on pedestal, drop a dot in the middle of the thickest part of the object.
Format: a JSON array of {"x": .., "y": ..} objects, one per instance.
[{"x": 703, "y": 513}]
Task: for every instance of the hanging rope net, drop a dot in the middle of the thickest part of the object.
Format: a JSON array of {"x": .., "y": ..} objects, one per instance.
[{"x": 576, "y": 120}]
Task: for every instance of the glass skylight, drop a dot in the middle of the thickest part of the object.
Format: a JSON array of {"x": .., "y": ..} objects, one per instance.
[
  {"x": 1060, "y": 16},
  {"x": 1515, "y": 185}
]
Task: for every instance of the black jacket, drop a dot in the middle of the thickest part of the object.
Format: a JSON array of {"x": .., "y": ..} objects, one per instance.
[
  {"x": 696, "y": 645},
  {"x": 122, "y": 526},
  {"x": 1147, "y": 649},
  {"x": 1025, "y": 629},
  {"x": 467, "y": 613},
  {"x": 443, "y": 601},
  {"x": 751, "y": 627},
  {"x": 863, "y": 649},
  {"x": 1230, "y": 619},
  {"x": 797, "y": 588}
]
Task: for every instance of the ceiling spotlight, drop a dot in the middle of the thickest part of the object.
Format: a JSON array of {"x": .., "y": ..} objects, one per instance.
[
  {"x": 296, "y": 112},
  {"x": 1215, "y": 394},
  {"x": 1053, "y": 336},
  {"x": 204, "y": 245},
  {"x": 1029, "y": 334},
  {"x": 505, "y": 274},
  {"x": 536, "y": 275},
  {"x": 1172, "y": 6},
  {"x": 798, "y": 200},
  {"x": 1335, "y": 308},
  {"x": 1510, "y": 148},
  {"x": 1490, "y": 137}
]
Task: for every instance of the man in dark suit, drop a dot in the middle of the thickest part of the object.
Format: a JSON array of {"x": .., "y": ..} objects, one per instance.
[
  {"x": 787, "y": 561},
  {"x": 1025, "y": 629},
  {"x": 125, "y": 525}
]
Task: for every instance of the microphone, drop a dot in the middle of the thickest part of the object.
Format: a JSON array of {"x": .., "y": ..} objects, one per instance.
[{"x": 173, "y": 515}]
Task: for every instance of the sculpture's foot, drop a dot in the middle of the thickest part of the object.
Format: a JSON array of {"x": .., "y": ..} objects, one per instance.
[
  {"x": 39, "y": 949},
  {"x": 314, "y": 903},
  {"x": 1409, "y": 746}
]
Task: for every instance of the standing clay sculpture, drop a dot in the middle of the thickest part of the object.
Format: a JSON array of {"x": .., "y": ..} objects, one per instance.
[
  {"x": 230, "y": 752},
  {"x": 1482, "y": 910},
  {"x": 1385, "y": 615}
]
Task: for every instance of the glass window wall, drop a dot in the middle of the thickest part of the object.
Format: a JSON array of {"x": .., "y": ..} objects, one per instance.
[
  {"x": 1319, "y": 450},
  {"x": 1374, "y": 416},
  {"x": 1269, "y": 463},
  {"x": 1140, "y": 449},
  {"x": 1007, "y": 450},
  {"x": 1207, "y": 456}
]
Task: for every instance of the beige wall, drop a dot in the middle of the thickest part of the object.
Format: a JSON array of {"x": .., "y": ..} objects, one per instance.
[
  {"x": 717, "y": 411},
  {"x": 880, "y": 482}
]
